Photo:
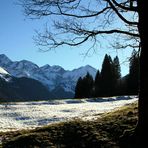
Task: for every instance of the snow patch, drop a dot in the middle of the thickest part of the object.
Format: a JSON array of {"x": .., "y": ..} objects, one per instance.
[
  {"x": 28, "y": 115},
  {"x": 3, "y": 71}
]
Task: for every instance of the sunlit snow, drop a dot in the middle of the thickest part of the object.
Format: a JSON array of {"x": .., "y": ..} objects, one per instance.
[
  {"x": 2, "y": 71},
  {"x": 27, "y": 115}
]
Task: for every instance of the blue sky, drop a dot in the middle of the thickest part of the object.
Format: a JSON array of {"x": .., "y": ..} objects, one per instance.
[{"x": 16, "y": 42}]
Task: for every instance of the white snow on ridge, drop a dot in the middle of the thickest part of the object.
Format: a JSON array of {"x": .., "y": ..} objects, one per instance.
[
  {"x": 51, "y": 76},
  {"x": 3, "y": 71},
  {"x": 80, "y": 72},
  {"x": 28, "y": 115},
  {"x": 4, "y": 75}
]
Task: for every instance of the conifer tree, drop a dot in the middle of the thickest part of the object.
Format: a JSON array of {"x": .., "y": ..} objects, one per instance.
[
  {"x": 88, "y": 85},
  {"x": 117, "y": 68},
  {"x": 84, "y": 87},
  {"x": 78, "y": 88},
  {"x": 107, "y": 77},
  {"x": 133, "y": 78},
  {"x": 117, "y": 76},
  {"x": 97, "y": 83}
]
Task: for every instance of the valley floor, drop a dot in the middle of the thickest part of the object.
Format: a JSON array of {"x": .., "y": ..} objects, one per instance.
[
  {"x": 113, "y": 130},
  {"x": 29, "y": 115}
]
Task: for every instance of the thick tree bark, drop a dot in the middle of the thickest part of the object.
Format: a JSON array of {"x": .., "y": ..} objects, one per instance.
[{"x": 142, "y": 126}]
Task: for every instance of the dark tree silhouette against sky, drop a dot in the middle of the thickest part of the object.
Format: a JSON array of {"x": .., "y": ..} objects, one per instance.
[{"x": 76, "y": 22}]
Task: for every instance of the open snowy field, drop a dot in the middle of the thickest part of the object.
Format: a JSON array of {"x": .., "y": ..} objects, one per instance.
[{"x": 26, "y": 115}]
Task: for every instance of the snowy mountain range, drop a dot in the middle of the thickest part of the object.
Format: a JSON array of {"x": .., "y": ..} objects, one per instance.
[
  {"x": 58, "y": 80},
  {"x": 21, "y": 89}
]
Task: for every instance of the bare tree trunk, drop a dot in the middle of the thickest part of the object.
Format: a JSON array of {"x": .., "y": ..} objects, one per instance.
[{"x": 142, "y": 126}]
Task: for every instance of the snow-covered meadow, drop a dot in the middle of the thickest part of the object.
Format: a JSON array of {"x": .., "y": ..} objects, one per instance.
[{"x": 27, "y": 115}]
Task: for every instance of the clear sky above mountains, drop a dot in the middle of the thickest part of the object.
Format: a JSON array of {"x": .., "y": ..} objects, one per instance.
[{"x": 16, "y": 42}]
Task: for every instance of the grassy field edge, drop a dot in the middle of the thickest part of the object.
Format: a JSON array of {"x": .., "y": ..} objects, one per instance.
[{"x": 105, "y": 132}]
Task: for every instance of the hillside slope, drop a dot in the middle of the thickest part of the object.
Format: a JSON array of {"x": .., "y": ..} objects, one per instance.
[{"x": 21, "y": 89}]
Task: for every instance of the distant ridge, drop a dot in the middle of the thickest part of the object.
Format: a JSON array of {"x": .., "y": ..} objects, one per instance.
[
  {"x": 55, "y": 78},
  {"x": 21, "y": 89}
]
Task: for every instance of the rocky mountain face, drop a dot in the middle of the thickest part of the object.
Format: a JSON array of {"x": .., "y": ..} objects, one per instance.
[
  {"x": 58, "y": 80},
  {"x": 21, "y": 89}
]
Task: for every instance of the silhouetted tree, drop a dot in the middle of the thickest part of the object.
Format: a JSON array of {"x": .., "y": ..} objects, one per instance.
[
  {"x": 123, "y": 86},
  {"x": 117, "y": 68},
  {"x": 117, "y": 76},
  {"x": 84, "y": 87},
  {"x": 128, "y": 13},
  {"x": 78, "y": 88},
  {"x": 133, "y": 77},
  {"x": 88, "y": 83},
  {"x": 97, "y": 90},
  {"x": 107, "y": 85}
]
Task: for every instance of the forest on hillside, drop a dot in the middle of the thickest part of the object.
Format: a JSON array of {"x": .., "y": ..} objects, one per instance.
[{"x": 108, "y": 81}]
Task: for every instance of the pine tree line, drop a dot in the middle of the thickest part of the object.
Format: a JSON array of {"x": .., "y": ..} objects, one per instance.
[{"x": 108, "y": 81}]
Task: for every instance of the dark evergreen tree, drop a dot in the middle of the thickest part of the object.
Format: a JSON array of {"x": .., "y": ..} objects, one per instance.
[
  {"x": 117, "y": 68},
  {"x": 108, "y": 82},
  {"x": 133, "y": 78},
  {"x": 88, "y": 86},
  {"x": 84, "y": 87},
  {"x": 117, "y": 76},
  {"x": 107, "y": 85},
  {"x": 78, "y": 88},
  {"x": 97, "y": 83}
]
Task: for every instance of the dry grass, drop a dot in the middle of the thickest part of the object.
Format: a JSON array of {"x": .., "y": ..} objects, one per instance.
[{"x": 105, "y": 132}]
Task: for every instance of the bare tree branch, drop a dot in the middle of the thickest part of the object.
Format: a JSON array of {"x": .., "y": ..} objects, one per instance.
[
  {"x": 119, "y": 15},
  {"x": 83, "y": 16},
  {"x": 75, "y": 29},
  {"x": 48, "y": 39},
  {"x": 120, "y": 5}
]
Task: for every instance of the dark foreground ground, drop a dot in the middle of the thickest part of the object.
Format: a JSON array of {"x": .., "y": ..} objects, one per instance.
[{"x": 113, "y": 130}]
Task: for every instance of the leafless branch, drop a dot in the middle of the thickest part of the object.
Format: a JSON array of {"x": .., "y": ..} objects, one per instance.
[
  {"x": 75, "y": 29},
  {"x": 119, "y": 15},
  {"x": 122, "y": 6}
]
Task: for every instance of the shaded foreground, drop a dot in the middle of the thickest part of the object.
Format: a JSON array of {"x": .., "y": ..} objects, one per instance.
[{"x": 112, "y": 130}]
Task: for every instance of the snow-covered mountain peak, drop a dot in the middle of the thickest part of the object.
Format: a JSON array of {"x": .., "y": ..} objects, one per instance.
[
  {"x": 57, "y": 68},
  {"x": 4, "y": 59},
  {"x": 51, "y": 76},
  {"x": 81, "y": 72},
  {"x": 88, "y": 67},
  {"x": 28, "y": 64},
  {"x": 52, "y": 69},
  {"x": 47, "y": 66}
]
